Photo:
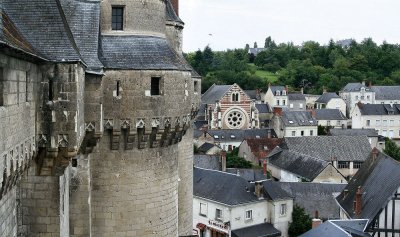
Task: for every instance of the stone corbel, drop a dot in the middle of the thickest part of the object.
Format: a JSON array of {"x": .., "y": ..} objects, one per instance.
[
  {"x": 115, "y": 138},
  {"x": 130, "y": 139}
]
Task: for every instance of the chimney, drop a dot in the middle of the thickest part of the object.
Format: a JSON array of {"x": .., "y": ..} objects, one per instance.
[
  {"x": 363, "y": 82},
  {"x": 324, "y": 90},
  {"x": 302, "y": 90},
  {"x": 259, "y": 190},
  {"x": 370, "y": 84},
  {"x": 175, "y": 4},
  {"x": 223, "y": 160},
  {"x": 269, "y": 133},
  {"x": 287, "y": 89},
  {"x": 375, "y": 153},
  {"x": 278, "y": 111},
  {"x": 358, "y": 202},
  {"x": 313, "y": 113},
  {"x": 265, "y": 167},
  {"x": 316, "y": 222}
]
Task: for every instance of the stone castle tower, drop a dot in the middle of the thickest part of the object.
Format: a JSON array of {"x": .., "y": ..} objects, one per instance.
[{"x": 96, "y": 105}]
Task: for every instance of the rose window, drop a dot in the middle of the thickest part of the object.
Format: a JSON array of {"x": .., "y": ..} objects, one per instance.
[{"x": 235, "y": 119}]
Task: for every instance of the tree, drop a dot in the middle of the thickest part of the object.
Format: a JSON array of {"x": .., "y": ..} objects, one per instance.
[
  {"x": 301, "y": 222},
  {"x": 234, "y": 161},
  {"x": 391, "y": 149}
]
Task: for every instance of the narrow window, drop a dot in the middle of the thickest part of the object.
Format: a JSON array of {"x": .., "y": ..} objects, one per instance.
[
  {"x": 118, "y": 85},
  {"x": 311, "y": 132},
  {"x": 155, "y": 85},
  {"x": 218, "y": 214},
  {"x": 203, "y": 209},
  {"x": 283, "y": 209},
  {"x": 27, "y": 87},
  {"x": 117, "y": 18},
  {"x": 302, "y": 133},
  {"x": 249, "y": 215},
  {"x": 51, "y": 90},
  {"x": 2, "y": 82},
  {"x": 196, "y": 84},
  {"x": 233, "y": 97},
  {"x": 237, "y": 96}
]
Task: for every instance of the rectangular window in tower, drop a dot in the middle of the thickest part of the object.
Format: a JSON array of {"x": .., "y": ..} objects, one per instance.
[
  {"x": 155, "y": 85},
  {"x": 118, "y": 18}
]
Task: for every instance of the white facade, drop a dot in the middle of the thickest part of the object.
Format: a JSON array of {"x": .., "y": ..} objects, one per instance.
[
  {"x": 333, "y": 123},
  {"x": 237, "y": 217},
  {"x": 334, "y": 103},
  {"x": 365, "y": 96},
  {"x": 386, "y": 125},
  {"x": 301, "y": 131},
  {"x": 280, "y": 99}
]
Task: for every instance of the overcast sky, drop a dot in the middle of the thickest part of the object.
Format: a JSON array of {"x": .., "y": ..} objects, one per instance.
[{"x": 232, "y": 23}]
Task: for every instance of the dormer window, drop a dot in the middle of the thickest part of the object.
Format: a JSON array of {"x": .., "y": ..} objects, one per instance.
[
  {"x": 278, "y": 93},
  {"x": 283, "y": 92},
  {"x": 118, "y": 18}
]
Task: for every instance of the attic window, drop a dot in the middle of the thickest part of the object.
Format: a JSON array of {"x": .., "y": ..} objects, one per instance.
[
  {"x": 265, "y": 148},
  {"x": 290, "y": 121},
  {"x": 216, "y": 136},
  {"x": 233, "y": 136},
  {"x": 257, "y": 136},
  {"x": 278, "y": 93},
  {"x": 118, "y": 18},
  {"x": 311, "y": 121}
]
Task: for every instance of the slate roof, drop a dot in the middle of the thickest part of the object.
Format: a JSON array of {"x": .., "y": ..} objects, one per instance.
[
  {"x": 329, "y": 114},
  {"x": 83, "y": 18},
  {"x": 250, "y": 175},
  {"x": 299, "y": 164},
  {"x": 139, "y": 53},
  {"x": 171, "y": 14},
  {"x": 263, "y": 108},
  {"x": 206, "y": 147},
  {"x": 331, "y": 228},
  {"x": 351, "y": 87},
  {"x": 261, "y": 147},
  {"x": 214, "y": 93},
  {"x": 260, "y": 230},
  {"x": 326, "y": 97},
  {"x": 252, "y": 94},
  {"x": 277, "y": 88},
  {"x": 43, "y": 23},
  {"x": 222, "y": 187},
  {"x": 210, "y": 162},
  {"x": 274, "y": 191},
  {"x": 240, "y": 134},
  {"x": 296, "y": 96},
  {"x": 298, "y": 118},
  {"x": 343, "y": 148},
  {"x": 378, "y": 109},
  {"x": 199, "y": 124},
  {"x": 386, "y": 92},
  {"x": 379, "y": 179},
  {"x": 354, "y": 132},
  {"x": 315, "y": 197}
]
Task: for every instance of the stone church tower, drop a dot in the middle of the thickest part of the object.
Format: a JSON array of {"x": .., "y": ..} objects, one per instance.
[{"x": 96, "y": 104}]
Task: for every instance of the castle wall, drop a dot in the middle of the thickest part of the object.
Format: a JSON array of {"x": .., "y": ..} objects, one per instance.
[
  {"x": 8, "y": 214},
  {"x": 174, "y": 35}
]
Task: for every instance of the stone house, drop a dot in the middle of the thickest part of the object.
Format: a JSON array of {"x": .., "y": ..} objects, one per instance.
[
  {"x": 345, "y": 153},
  {"x": 277, "y": 96},
  {"x": 294, "y": 123},
  {"x": 373, "y": 194},
  {"x": 384, "y": 118},
  {"x": 353, "y": 93},
  {"x": 291, "y": 166},
  {"x": 256, "y": 149},
  {"x": 95, "y": 97},
  {"x": 224, "y": 204},
  {"x": 330, "y": 100},
  {"x": 330, "y": 118}
]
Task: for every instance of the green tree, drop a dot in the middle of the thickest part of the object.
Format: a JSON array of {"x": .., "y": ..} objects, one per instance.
[
  {"x": 392, "y": 149},
  {"x": 237, "y": 162},
  {"x": 301, "y": 222}
]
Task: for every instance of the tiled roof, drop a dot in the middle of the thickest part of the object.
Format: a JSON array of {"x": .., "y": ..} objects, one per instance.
[
  {"x": 296, "y": 96},
  {"x": 274, "y": 191},
  {"x": 214, "y": 93},
  {"x": 252, "y": 94},
  {"x": 386, "y": 92},
  {"x": 329, "y": 114},
  {"x": 277, "y": 88},
  {"x": 379, "y": 179},
  {"x": 83, "y": 18},
  {"x": 171, "y": 14},
  {"x": 222, "y": 187},
  {"x": 43, "y": 24},
  {"x": 328, "y": 148},
  {"x": 210, "y": 162},
  {"x": 139, "y": 53},
  {"x": 251, "y": 175},
  {"x": 298, "y": 118},
  {"x": 263, "y": 108},
  {"x": 336, "y": 228},
  {"x": 260, "y": 230},
  {"x": 299, "y": 164},
  {"x": 261, "y": 147},
  {"x": 353, "y": 132},
  {"x": 315, "y": 197},
  {"x": 379, "y": 109},
  {"x": 205, "y": 147},
  {"x": 326, "y": 97},
  {"x": 351, "y": 87}
]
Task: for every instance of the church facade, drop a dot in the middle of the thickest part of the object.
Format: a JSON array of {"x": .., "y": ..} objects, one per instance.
[{"x": 96, "y": 104}]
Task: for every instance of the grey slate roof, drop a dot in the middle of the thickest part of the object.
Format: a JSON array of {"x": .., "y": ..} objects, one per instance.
[
  {"x": 222, "y": 187},
  {"x": 296, "y": 96},
  {"x": 260, "y": 230},
  {"x": 329, "y": 114},
  {"x": 207, "y": 162},
  {"x": 357, "y": 224},
  {"x": 263, "y": 108},
  {"x": 251, "y": 175},
  {"x": 252, "y": 94},
  {"x": 350, "y": 87},
  {"x": 379, "y": 179},
  {"x": 315, "y": 197},
  {"x": 199, "y": 124},
  {"x": 139, "y": 53},
  {"x": 386, "y": 92},
  {"x": 214, "y": 93},
  {"x": 240, "y": 134},
  {"x": 332, "y": 228},
  {"x": 206, "y": 147},
  {"x": 277, "y": 88},
  {"x": 171, "y": 14},
  {"x": 296, "y": 163},
  {"x": 343, "y": 148},
  {"x": 43, "y": 24},
  {"x": 354, "y": 132},
  {"x": 274, "y": 191},
  {"x": 378, "y": 109},
  {"x": 326, "y": 97},
  {"x": 83, "y": 18},
  {"x": 298, "y": 118}
]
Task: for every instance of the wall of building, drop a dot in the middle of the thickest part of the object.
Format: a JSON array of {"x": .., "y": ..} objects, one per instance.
[
  {"x": 337, "y": 103},
  {"x": 386, "y": 125},
  {"x": 333, "y": 123},
  {"x": 297, "y": 105},
  {"x": 8, "y": 213},
  {"x": 306, "y": 129},
  {"x": 245, "y": 152},
  {"x": 281, "y": 222},
  {"x": 330, "y": 175}
]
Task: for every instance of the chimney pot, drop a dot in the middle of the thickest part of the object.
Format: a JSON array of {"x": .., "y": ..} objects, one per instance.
[
  {"x": 259, "y": 190},
  {"x": 363, "y": 82},
  {"x": 278, "y": 111},
  {"x": 358, "y": 202},
  {"x": 265, "y": 167},
  {"x": 316, "y": 222},
  {"x": 223, "y": 160}
]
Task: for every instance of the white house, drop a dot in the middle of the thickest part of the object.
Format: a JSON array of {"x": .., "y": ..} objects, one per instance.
[
  {"x": 224, "y": 204},
  {"x": 330, "y": 100},
  {"x": 330, "y": 118},
  {"x": 384, "y": 118},
  {"x": 294, "y": 123},
  {"x": 353, "y": 93},
  {"x": 277, "y": 96}
]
